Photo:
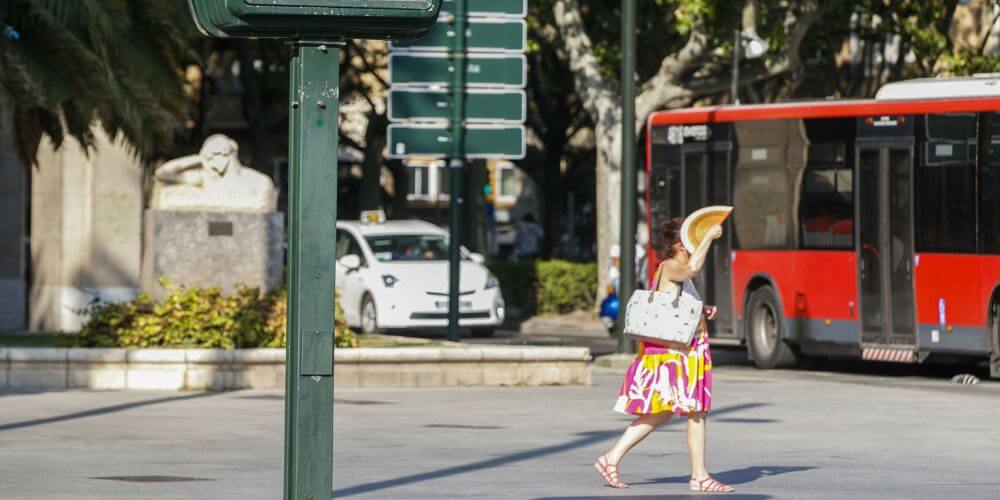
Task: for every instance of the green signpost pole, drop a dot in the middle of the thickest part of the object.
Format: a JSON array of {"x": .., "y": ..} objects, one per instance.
[
  {"x": 628, "y": 188},
  {"x": 312, "y": 218},
  {"x": 317, "y": 27},
  {"x": 456, "y": 166}
]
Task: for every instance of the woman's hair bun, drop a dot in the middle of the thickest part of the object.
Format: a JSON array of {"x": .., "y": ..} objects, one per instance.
[{"x": 671, "y": 235}]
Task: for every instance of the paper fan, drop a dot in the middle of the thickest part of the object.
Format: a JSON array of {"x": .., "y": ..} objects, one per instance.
[{"x": 697, "y": 224}]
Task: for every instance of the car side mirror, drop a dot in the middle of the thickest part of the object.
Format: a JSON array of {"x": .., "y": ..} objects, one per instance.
[
  {"x": 477, "y": 258},
  {"x": 351, "y": 262}
]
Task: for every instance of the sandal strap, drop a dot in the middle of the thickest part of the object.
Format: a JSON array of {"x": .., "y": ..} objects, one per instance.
[
  {"x": 613, "y": 477},
  {"x": 710, "y": 484}
]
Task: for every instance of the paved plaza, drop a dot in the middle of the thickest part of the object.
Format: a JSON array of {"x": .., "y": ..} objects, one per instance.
[{"x": 780, "y": 434}]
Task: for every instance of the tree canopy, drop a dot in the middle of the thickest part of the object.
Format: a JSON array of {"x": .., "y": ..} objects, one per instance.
[{"x": 79, "y": 62}]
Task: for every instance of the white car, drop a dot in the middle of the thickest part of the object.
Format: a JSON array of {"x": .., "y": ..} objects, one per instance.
[{"x": 393, "y": 275}]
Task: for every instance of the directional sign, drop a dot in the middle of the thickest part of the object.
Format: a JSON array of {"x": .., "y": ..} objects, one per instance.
[
  {"x": 481, "y": 141},
  {"x": 435, "y": 68},
  {"x": 314, "y": 18},
  {"x": 507, "y": 8},
  {"x": 481, "y": 105},
  {"x": 480, "y": 34}
]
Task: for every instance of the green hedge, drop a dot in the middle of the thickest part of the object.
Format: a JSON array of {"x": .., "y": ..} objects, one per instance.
[
  {"x": 546, "y": 287},
  {"x": 197, "y": 317},
  {"x": 565, "y": 287}
]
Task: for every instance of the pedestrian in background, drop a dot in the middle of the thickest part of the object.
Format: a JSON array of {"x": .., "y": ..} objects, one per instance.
[
  {"x": 528, "y": 243},
  {"x": 664, "y": 380}
]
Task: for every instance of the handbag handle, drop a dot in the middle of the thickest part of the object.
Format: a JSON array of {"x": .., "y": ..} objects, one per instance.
[{"x": 656, "y": 288}]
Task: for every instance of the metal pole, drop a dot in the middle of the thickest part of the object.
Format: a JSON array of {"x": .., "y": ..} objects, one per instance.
[
  {"x": 312, "y": 218},
  {"x": 456, "y": 165},
  {"x": 628, "y": 187},
  {"x": 735, "y": 90}
]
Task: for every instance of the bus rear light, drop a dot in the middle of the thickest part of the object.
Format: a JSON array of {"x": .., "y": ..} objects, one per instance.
[{"x": 826, "y": 322}]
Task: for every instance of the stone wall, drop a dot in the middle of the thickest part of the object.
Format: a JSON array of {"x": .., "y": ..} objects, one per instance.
[{"x": 86, "y": 219}]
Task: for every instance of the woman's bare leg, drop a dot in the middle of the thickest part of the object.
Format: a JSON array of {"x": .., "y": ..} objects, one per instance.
[
  {"x": 635, "y": 432},
  {"x": 696, "y": 445}
]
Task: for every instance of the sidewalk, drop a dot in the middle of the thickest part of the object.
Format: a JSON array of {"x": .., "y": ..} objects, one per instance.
[{"x": 774, "y": 434}]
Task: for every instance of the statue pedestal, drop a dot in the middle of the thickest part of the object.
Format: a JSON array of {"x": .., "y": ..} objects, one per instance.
[{"x": 212, "y": 248}]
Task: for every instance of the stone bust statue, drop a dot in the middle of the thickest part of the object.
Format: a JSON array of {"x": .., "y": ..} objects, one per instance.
[{"x": 213, "y": 179}]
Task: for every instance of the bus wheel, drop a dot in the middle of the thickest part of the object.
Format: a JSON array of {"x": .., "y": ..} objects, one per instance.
[
  {"x": 995, "y": 339},
  {"x": 766, "y": 331}
]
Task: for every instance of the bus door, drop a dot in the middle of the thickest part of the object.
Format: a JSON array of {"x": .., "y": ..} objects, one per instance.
[
  {"x": 706, "y": 178},
  {"x": 885, "y": 241}
]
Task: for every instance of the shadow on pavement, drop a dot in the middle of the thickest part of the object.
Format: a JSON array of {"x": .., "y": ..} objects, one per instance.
[
  {"x": 658, "y": 497},
  {"x": 736, "y": 476},
  {"x": 586, "y": 439},
  {"x": 101, "y": 411}
]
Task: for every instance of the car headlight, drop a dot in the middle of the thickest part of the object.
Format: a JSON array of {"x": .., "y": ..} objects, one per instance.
[
  {"x": 389, "y": 280},
  {"x": 491, "y": 282}
]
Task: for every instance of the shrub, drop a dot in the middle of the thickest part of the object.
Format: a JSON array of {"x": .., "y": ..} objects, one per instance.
[
  {"x": 565, "y": 287},
  {"x": 196, "y": 317},
  {"x": 277, "y": 320},
  {"x": 546, "y": 287}
]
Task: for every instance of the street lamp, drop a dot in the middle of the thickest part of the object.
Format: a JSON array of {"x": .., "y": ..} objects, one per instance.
[{"x": 755, "y": 48}]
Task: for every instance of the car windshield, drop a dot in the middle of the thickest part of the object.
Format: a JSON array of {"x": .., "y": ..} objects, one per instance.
[{"x": 409, "y": 247}]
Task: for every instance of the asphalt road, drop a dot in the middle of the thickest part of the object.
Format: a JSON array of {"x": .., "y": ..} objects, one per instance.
[{"x": 780, "y": 434}]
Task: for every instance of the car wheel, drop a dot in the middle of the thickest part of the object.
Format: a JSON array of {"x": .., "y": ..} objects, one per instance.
[
  {"x": 482, "y": 333},
  {"x": 369, "y": 315},
  {"x": 766, "y": 331}
]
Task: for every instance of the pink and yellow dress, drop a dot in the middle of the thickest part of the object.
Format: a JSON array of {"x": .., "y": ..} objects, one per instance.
[{"x": 662, "y": 379}]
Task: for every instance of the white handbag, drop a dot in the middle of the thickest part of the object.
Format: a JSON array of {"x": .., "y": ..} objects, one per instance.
[{"x": 662, "y": 317}]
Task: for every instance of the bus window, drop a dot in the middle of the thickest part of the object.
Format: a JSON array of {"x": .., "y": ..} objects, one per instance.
[
  {"x": 664, "y": 188},
  {"x": 826, "y": 206},
  {"x": 945, "y": 193},
  {"x": 990, "y": 186},
  {"x": 770, "y": 155}
]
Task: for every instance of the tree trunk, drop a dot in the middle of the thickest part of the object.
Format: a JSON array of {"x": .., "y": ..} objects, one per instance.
[
  {"x": 400, "y": 206},
  {"x": 609, "y": 189},
  {"x": 370, "y": 198},
  {"x": 474, "y": 208},
  {"x": 554, "y": 191},
  {"x": 601, "y": 101}
]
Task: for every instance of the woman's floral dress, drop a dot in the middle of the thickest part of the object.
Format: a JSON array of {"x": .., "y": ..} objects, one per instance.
[{"x": 661, "y": 379}]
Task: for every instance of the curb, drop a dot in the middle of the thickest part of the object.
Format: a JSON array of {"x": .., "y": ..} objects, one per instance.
[
  {"x": 219, "y": 370},
  {"x": 560, "y": 326}
]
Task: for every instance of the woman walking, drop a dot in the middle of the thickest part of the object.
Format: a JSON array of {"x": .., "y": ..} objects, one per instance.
[{"x": 664, "y": 380}]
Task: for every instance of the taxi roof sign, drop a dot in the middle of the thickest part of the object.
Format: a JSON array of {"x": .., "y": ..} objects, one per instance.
[
  {"x": 372, "y": 217},
  {"x": 400, "y": 19}
]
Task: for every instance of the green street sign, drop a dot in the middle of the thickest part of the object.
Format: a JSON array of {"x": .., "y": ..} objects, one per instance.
[
  {"x": 435, "y": 68},
  {"x": 434, "y": 141},
  {"x": 481, "y": 105},
  {"x": 480, "y": 35},
  {"x": 506, "y": 8},
  {"x": 315, "y": 18}
]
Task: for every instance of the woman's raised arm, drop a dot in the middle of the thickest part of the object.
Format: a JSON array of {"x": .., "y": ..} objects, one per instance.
[{"x": 682, "y": 271}]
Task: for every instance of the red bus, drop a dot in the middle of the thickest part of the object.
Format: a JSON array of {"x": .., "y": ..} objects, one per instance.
[{"x": 866, "y": 229}]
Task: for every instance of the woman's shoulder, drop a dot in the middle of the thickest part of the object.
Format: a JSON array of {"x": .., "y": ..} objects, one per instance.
[{"x": 671, "y": 264}]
